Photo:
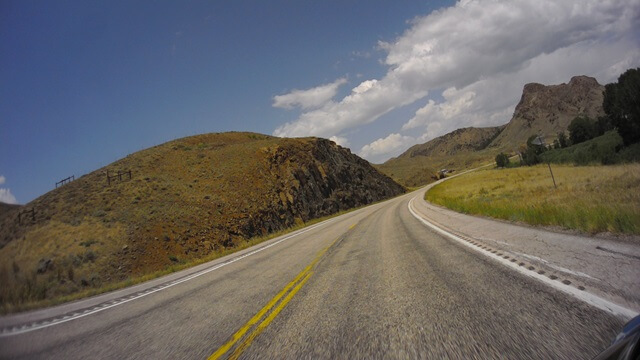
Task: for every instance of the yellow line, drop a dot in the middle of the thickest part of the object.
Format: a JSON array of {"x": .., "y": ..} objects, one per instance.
[
  {"x": 243, "y": 330},
  {"x": 245, "y": 344}
]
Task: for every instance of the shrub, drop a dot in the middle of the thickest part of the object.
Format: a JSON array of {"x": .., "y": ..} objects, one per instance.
[
  {"x": 581, "y": 129},
  {"x": 562, "y": 139},
  {"x": 89, "y": 256},
  {"x": 502, "y": 160}
]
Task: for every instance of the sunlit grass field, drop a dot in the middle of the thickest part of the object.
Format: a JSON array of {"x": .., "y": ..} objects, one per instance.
[{"x": 592, "y": 199}]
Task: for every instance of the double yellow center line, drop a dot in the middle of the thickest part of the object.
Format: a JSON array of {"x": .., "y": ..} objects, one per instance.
[{"x": 288, "y": 292}]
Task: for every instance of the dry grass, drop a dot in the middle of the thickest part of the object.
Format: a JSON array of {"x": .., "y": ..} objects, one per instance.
[
  {"x": 189, "y": 201},
  {"x": 419, "y": 170},
  {"x": 27, "y": 291},
  {"x": 592, "y": 199}
]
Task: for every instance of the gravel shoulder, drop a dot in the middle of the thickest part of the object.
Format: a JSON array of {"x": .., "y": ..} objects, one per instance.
[{"x": 605, "y": 266}]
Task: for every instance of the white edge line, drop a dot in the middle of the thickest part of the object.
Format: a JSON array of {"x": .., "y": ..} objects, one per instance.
[
  {"x": 25, "y": 329},
  {"x": 591, "y": 299}
]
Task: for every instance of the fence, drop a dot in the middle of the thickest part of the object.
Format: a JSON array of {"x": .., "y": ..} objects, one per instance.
[
  {"x": 65, "y": 181},
  {"x": 118, "y": 176}
]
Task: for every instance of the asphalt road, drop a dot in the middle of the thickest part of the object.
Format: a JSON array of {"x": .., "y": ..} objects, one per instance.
[{"x": 374, "y": 283}]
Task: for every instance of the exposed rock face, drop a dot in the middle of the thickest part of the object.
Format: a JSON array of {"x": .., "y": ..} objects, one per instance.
[
  {"x": 550, "y": 109},
  {"x": 316, "y": 178},
  {"x": 460, "y": 140}
]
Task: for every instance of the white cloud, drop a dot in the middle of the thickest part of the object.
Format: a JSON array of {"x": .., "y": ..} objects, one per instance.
[
  {"x": 5, "y": 194},
  {"x": 310, "y": 98},
  {"x": 391, "y": 145},
  {"x": 340, "y": 140},
  {"x": 482, "y": 52},
  {"x": 7, "y": 197},
  {"x": 491, "y": 101},
  {"x": 367, "y": 102}
]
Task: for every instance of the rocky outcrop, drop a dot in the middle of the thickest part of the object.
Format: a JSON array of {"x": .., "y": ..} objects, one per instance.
[
  {"x": 324, "y": 178},
  {"x": 549, "y": 110}
]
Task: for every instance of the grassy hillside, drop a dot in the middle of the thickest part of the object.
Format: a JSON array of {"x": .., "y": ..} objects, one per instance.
[
  {"x": 186, "y": 200},
  {"x": 458, "y": 150},
  {"x": 458, "y": 141},
  {"x": 420, "y": 170},
  {"x": 592, "y": 199},
  {"x": 605, "y": 149}
]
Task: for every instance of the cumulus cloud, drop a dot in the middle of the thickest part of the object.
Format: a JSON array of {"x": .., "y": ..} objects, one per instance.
[
  {"x": 340, "y": 140},
  {"x": 391, "y": 145},
  {"x": 366, "y": 102},
  {"x": 7, "y": 197},
  {"x": 5, "y": 194},
  {"x": 478, "y": 54},
  {"x": 483, "y": 52},
  {"x": 310, "y": 98},
  {"x": 491, "y": 101}
]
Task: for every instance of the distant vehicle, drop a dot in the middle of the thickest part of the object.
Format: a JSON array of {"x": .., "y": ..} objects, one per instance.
[{"x": 626, "y": 346}]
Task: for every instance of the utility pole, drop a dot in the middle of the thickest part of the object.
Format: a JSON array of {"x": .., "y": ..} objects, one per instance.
[{"x": 539, "y": 141}]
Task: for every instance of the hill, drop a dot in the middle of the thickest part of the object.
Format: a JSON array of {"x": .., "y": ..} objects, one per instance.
[
  {"x": 542, "y": 109},
  {"x": 457, "y": 141},
  {"x": 184, "y": 199},
  {"x": 457, "y": 149},
  {"x": 6, "y": 208},
  {"x": 549, "y": 110}
]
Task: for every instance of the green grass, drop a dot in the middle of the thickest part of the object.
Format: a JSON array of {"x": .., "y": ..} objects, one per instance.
[
  {"x": 605, "y": 149},
  {"x": 591, "y": 199}
]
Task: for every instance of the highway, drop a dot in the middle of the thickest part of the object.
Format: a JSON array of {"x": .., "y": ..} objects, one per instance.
[{"x": 373, "y": 283}]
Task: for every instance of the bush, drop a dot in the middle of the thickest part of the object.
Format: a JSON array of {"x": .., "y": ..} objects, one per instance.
[
  {"x": 531, "y": 153},
  {"x": 581, "y": 129},
  {"x": 502, "y": 160},
  {"x": 602, "y": 149},
  {"x": 562, "y": 140}
]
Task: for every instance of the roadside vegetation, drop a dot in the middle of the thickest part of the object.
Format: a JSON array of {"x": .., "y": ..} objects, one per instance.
[
  {"x": 591, "y": 199},
  {"x": 171, "y": 206},
  {"x": 23, "y": 290},
  {"x": 613, "y": 138}
]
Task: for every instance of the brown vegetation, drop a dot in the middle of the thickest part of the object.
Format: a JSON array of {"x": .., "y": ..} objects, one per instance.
[{"x": 186, "y": 199}]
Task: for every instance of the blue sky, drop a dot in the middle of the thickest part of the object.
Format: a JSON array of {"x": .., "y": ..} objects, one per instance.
[{"x": 84, "y": 83}]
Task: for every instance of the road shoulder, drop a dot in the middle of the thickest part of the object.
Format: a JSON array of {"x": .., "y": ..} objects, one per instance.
[{"x": 605, "y": 267}]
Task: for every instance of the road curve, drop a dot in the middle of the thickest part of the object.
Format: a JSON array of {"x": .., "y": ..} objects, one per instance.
[{"x": 373, "y": 283}]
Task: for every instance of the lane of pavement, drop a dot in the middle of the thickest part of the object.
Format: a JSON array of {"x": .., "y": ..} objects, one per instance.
[
  {"x": 394, "y": 289},
  {"x": 384, "y": 285},
  {"x": 187, "y": 320}
]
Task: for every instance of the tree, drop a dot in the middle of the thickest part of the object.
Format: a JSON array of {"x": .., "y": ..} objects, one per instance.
[
  {"x": 502, "y": 160},
  {"x": 581, "y": 129},
  {"x": 602, "y": 125},
  {"x": 531, "y": 155},
  {"x": 622, "y": 105},
  {"x": 562, "y": 139}
]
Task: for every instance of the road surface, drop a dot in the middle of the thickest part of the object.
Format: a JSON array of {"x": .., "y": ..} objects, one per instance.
[{"x": 373, "y": 283}]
